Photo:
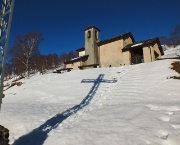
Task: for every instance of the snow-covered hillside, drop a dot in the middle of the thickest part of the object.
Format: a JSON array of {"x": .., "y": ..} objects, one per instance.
[
  {"x": 129, "y": 105},
  {"x": 172, "y": 52}
]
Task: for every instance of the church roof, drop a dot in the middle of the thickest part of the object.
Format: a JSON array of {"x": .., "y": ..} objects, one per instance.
[
  {"x": 143, "y": 43},
  {"x": 80, "y": 49},
  {"x": 92, "y": 27},
  {"x": 116, "y": 38},
  {"x": 84, "y": 57}
]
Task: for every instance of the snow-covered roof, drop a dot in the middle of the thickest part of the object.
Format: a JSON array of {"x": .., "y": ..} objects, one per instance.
[
  {"x": 75, "y": 58},
  {"x": 136, "y": 44}
]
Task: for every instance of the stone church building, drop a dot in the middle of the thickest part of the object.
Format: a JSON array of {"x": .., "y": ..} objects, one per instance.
[{"x": 115, "y": 52}]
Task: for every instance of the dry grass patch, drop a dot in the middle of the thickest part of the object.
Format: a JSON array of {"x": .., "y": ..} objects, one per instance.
[
  {"x": 18, "y": 83},
  {"x": 175, "y": 77},
  {"x": 176, "y": 67}
]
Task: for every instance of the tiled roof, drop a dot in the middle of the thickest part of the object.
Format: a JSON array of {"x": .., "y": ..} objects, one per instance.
[{"x": 116, "y": 38}]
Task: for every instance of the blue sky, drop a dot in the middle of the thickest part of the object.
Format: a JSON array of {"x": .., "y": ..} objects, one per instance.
[{"x": 62, "y": 21}]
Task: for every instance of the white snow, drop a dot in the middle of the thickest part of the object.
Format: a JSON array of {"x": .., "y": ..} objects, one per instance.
[
  {"x": 172, "y": 52},
  {"x": 75, "y": 58},
  {"x": 136, "y": 44},
  {"x": 128, "y": 105}
]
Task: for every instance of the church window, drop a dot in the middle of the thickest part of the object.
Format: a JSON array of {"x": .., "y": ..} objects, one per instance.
[
  {"x": 96, "y": 35},
  {"x": 89, "y": 34}
]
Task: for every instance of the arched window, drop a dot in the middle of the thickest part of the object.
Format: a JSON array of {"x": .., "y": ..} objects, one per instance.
[{"x": 89, "y": 34}]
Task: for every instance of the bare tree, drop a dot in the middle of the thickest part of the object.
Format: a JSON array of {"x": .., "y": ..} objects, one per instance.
[
  {"x": 17, "y": 67},
  {"x": 67, "y": 56},
  {"x": 164, "y": 41},
  {"x": 25, "y": 48},
  {"x": 34, "y": 61},
  {"x": 175, "y": 36},
  {"x": 63, "y": 57},
  {"x": 8, "y": 72},
  {"x": 71, "y": 55},
  {"x": 55, "y": 60},
  {"x": 42, "y": 63}
]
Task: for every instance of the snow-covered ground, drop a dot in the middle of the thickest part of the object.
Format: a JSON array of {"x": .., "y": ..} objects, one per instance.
[
  {"x": 172, "y": 52},
  {"x": 128, "y": 105}
]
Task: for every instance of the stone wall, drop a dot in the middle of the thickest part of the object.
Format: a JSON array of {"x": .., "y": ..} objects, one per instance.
[
  {"x": 74, "y": 65},
  {"x": 111, "y": 54}
]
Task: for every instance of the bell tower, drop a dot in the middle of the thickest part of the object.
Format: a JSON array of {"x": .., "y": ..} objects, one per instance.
[{"x": 92, "y": 36}]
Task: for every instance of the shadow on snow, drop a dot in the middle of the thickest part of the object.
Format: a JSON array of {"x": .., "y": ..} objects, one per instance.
[{"x": 39, "y": 135}]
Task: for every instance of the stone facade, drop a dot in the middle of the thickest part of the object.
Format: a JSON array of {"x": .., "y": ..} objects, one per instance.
[
  {"x": 74, "y": 65},
  {"x": 91, "y": 49},
  {"x": 151, "y": 53},
  {"x": 144, "y": 51},
  {"x": 117, "y": 51},
  {"x": 110, "y": 54}
]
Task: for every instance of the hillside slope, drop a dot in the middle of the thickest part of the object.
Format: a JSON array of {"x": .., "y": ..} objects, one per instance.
[
  {"x": 172, "y": 52},
  {"x": 129, "y": 105}
]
